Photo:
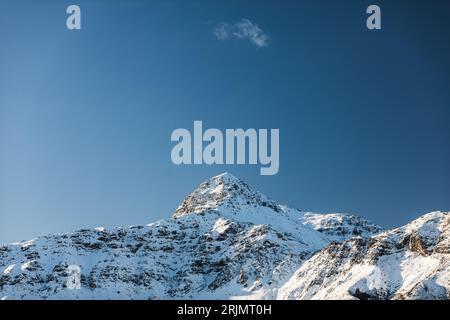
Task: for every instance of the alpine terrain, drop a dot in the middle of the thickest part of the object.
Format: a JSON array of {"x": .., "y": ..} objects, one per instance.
[{"x": 226, "y": 241}]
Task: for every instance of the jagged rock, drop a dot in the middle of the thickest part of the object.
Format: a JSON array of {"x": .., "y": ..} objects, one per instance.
[
  {"x": 226, "y": 240},
  {"x": 396, "y": 264}
]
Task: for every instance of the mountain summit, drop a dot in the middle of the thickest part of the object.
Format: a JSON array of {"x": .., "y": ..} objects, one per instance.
[
  {"x": 227, "y": 241},
  {"x": 223, "y": 192}
]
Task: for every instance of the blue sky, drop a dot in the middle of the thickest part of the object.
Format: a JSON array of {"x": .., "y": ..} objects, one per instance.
[{"x": 86, "y": 116}]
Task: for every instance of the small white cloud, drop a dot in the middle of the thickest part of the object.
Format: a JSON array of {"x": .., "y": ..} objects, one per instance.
[
  {"x": 244, "y": 29},
  {"x": 221, "y": 31}
]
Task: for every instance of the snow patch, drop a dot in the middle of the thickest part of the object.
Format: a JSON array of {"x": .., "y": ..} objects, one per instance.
[
  {"x": 27, "y": 265},
  {"x": 220, "y": 226},
  {"x": 9, "y": 269}
]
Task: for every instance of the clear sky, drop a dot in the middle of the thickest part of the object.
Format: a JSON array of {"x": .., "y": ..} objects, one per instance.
[{"x": 86, "y": 116}]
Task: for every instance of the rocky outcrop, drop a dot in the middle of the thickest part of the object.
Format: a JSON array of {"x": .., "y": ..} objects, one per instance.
[
  {"x": 229, "y": 241},
  {"x": 403, "y": 263}
]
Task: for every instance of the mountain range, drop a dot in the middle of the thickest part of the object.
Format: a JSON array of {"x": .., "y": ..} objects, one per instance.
[{"x": 228, "y": 241}]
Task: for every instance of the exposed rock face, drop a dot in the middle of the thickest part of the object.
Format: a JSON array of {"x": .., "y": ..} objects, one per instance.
[
  {"x": 411, "y": 262},
  {"x": 226, "y": 192},
  {"x": 338, "y": 226},
  {"x": 228, "y": 241}
]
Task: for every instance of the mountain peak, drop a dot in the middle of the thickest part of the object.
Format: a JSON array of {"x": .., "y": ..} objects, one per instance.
[
  {"x": 235, "y": 244},
  {"x": 226, "y": 176},
  {"x": 225, "y": 191}
]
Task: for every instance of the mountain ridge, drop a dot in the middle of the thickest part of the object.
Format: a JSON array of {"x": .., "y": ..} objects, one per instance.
[{"x": 227, "y": 241}]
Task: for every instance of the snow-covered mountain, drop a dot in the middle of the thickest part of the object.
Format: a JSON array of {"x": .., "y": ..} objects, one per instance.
[
  {"x": 411, "y": 262},
  {"x": 226, "y": 241}
]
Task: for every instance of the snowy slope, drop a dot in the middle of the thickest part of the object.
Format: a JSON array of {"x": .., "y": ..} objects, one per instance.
[
  {"x": 226, "y": 241},
  {"x": 411, "y": 262}
]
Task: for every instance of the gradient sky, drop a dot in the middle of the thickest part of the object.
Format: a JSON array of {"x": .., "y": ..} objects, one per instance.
[{"x": 86, "y": 116}]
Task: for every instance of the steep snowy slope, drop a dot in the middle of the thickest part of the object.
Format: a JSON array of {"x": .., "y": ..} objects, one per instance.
[
  {"x": 224, "y": 241},
  {"x": 411, "y": 262},
  {"x": 232, "y": 198}
]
